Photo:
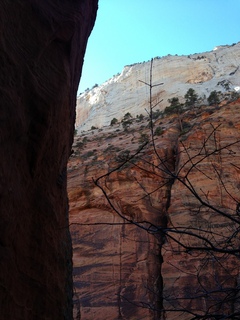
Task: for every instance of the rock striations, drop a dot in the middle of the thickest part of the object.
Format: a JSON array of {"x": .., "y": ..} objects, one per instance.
[
  {"x": 204, "y": 72},
  {"x": 123, "y": 271},
  {"x": 42, "y": 45}
]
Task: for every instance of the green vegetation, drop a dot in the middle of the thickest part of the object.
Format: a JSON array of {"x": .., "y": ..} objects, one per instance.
[
  {"x": 126, "y": 124},
  {"x": 213, "y": 98},
  {"x": 175, "y": 106},
  {"x": 112, "y": 148},
  {"x": 140, "y": 117},
  {"x": 127, "y": 116},
  {"x": 127, "y": 120},
  {"x": 143, "y": 138},
  {"x": 88, "y": 154},
  {"x": 186, "y": 126},
  {"x": 113, "y": 121},
  {"x": 225, "y": 84},
  {"x": 158, "y": 131},
  {"x": 156, "y": 114},
  {"x": 123, "y": 156},
  {"x": 234, "y": 95},
  {"x": 80, "y": 144},
  {"x": 191, "y": 98}
]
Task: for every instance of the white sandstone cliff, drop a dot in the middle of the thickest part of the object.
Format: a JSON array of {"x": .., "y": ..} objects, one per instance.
[{"x": 204, "y": 72}]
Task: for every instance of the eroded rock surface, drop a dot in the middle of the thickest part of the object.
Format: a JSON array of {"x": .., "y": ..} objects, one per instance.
[
  {"x": 120, "y": 270},
  {"x": 126, "y": 92},
  {"x": 42, "y": 45}
]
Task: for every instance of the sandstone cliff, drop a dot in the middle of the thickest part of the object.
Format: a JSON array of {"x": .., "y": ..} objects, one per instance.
[
  {"x": 42, "y": 45},
  {"x": 122, "y": 271},
  {"x": 204, "y": 72}
]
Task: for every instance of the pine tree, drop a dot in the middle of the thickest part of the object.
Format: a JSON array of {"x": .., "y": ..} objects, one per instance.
[{"x": 191, "y": 98}]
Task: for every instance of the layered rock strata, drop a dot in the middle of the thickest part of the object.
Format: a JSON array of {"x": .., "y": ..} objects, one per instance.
[
  {"x": 127, "y": 92},
  {"x": 42, "y": 45},
  {"x": 123, "y": 271}
]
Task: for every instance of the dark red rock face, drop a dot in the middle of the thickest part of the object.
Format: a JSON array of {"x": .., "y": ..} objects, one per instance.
[
  {"x": 42, "y": 44},
  {"x": 122, "y": 271}
]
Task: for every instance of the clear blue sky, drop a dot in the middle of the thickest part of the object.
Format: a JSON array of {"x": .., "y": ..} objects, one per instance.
[{"x": 130, "y": 31}]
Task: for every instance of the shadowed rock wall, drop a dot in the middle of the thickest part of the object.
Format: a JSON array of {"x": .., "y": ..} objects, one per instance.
[{"x": 42, "y": 44}]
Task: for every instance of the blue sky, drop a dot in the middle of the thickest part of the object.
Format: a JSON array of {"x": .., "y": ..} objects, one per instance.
[{"x": 131, "y": 31}]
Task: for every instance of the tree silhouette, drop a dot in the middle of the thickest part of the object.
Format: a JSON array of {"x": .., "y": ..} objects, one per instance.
[{"x": 198, "y": 240}]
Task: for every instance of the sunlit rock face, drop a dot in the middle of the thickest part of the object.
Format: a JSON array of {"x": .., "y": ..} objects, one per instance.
[
  {"x": 116, "y": 265},
  {"x": 122, "y": 271},
  {"x": 204, "y": 72},
  {"x": 42, "y": 45}
]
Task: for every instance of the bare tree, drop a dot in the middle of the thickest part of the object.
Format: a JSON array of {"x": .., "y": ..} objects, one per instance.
[{"x": 199, "y": 240}]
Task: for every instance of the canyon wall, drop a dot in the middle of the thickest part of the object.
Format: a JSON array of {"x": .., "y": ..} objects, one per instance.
[
  {"x": 41, "y": 52},
  {"x": 125, "y": 267},
  {"x": 126, "y": 92}
]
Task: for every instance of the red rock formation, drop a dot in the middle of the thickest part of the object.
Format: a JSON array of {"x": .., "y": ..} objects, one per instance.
[
  {"x": 42, "y": 45},
  {"x": 120, "y": 270},
  {"x": 205, "y": 280}
]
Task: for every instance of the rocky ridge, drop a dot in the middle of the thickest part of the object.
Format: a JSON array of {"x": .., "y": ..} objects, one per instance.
[{"x": 204, "y": 72}]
